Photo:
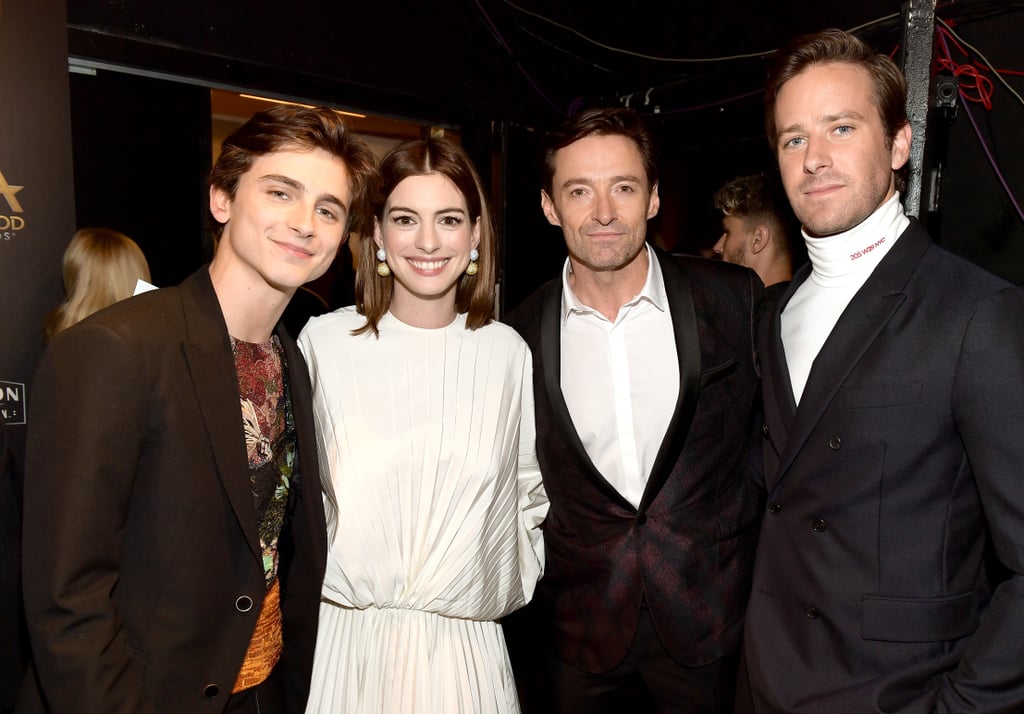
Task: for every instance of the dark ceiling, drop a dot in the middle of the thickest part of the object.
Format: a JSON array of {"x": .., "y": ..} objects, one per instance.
[{"x": 529, "y": 61}]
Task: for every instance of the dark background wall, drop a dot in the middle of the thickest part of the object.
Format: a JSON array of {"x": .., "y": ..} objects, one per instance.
[
  {"x": 141, "y": 154},
  {"x": 984, "y": 162},
  {"x": 36, "y": 200},
  {"x": 36, "y": 216}
]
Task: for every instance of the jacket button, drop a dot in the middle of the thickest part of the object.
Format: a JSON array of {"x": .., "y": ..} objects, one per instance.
[
  {"x": 811, "y": 613},
  {"x": 764, "y": 430},
  {"x": 243, "y": 603},
  {"x": 641, "y": 518},
  {"x": 834, "y": 443},
  {"x": 774, "y": 508},
  {"x": 210, "y": 691},
  {"x": 819, "y": 525}
]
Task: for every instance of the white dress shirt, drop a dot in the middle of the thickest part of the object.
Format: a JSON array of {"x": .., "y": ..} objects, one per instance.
[{"x": 620, "y": 380}]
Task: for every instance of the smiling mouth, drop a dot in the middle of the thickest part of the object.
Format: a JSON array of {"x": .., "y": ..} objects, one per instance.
[
  {"x": 295, "y": 250},
  {"x": 428, "y": 265}
]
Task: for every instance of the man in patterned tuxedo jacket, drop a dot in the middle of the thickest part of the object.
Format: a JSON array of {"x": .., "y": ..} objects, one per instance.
[{"x": 646, "y": 390}]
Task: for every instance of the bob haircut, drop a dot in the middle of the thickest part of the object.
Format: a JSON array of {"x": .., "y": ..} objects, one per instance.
[
  {"x": 100, "y": 267},
  {"x": 612, "y": 121},
  {"x": 421, "y": 157},
  {"x": 286, "y": 127}
]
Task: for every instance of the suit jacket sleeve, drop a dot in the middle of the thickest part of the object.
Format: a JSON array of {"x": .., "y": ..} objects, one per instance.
[
  {"x": 86, "y": 434},
  {"x": 988, "y": 404}
]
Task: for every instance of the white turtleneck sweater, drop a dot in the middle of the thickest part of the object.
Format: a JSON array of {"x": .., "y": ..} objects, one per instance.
[{"x": 840, "y": 265}]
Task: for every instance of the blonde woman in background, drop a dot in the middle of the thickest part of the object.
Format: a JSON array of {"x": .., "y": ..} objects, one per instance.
[{"x": 100, "y": 267}]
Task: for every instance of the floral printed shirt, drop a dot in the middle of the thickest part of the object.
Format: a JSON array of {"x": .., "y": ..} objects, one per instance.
[{"x": 269, "y": 438}]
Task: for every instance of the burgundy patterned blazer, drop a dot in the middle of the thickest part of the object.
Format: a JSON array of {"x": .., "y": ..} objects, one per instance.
[{"x": 688, "y": 549}]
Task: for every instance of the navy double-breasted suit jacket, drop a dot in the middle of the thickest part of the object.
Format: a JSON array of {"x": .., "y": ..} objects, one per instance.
[
  {"x": 687, "y": 551},
  {"x": 889, "y": 568},
  {"x": 143, "y": 569}
]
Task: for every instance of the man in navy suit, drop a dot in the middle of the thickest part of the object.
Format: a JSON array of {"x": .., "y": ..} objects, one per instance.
[
  {"x": 646, "y": 391},
  {"x": 175, "y": 542},
  {"x": 889, "y": 570}
]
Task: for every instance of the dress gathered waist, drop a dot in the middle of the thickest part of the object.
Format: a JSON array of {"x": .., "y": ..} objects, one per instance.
[
  {"x": 398, "y": 611},
  {"x": 409, "y": 661}
]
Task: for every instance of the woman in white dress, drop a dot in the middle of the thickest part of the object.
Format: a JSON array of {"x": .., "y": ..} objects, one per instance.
[{"x": 424, "y": 409}]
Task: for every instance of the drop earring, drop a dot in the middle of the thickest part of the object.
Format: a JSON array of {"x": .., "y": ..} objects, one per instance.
[
  {"x": 473, "y": 268},
  {"x": 382, "y": 267}
]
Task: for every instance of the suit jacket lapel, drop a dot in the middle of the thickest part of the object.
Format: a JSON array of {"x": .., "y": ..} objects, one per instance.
[
  {"x": 777, "y": 389},
  {"x": 551, "y": 353},
  {"x": 859, "y": 325},
  {"x": 208, "y": 353},
  {"x": 684, "y": 325},
  {"x": 306, "y": 489}
]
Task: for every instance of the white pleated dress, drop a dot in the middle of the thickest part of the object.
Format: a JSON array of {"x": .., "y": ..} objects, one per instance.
[{"x": 426, "y": 437}]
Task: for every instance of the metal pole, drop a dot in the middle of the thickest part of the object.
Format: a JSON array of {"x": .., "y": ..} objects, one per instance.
[{"x": 918, "y": 34}]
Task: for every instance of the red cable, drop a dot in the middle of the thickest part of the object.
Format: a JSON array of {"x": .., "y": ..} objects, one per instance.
[{"x": 974, "y": 85}]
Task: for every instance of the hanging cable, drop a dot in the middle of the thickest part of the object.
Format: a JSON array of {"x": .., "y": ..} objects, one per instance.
[
  {"x": 977, "y": 131},
  {"x": 961, "y": 43}
]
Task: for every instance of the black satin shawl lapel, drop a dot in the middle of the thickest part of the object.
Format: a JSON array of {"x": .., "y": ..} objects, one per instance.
[
  {"x": 684, "y": 326},
  {"x": 551, "y": 352}
]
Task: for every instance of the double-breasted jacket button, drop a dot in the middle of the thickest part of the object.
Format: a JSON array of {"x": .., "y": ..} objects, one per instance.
[
  {"x": 811, "y": 612},
  {"x": 819, "y": 525},
  {"x": 774, "y": 508},
  {"x": 834, "y": 443},
  {"x": 210, "y": 691},
  {"x": 641, "y": 518},
  {"x": 243, "y": 603}
]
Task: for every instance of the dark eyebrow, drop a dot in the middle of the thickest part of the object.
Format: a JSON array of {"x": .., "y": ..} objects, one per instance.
[
  {"x": 827, "y": 119},
  {"x": 614, "y": 179},
  {"x": 331, "y": 198},
  {"x": 403, "y": 209},
  {"x": 298, "y": 186},
  {"x": 280, "y": 178},
  {"x": 453, "y": 209},
  {"x": 843, "y": 115}
]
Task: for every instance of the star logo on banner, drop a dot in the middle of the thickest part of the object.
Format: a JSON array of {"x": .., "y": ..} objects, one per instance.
[{"x": 8, "y": 191}]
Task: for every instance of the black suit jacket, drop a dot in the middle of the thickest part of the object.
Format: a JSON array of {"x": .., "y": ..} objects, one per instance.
[
  {"x": 143, "y": 570},
  {"x": 892, "y": 491},
  {"x": 688, "y": 549}
]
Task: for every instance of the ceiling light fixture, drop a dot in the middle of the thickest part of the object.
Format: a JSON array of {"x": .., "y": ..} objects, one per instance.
[{"x": 299, "y": 104}]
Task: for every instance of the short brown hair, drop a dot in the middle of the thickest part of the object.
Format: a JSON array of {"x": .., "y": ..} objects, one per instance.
[
  {"x": 831, "y": 46},
  {"x": 286, "y": 127},
  {"x": 612, "y": 121},
  {"x": 474, "y": 294}
]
